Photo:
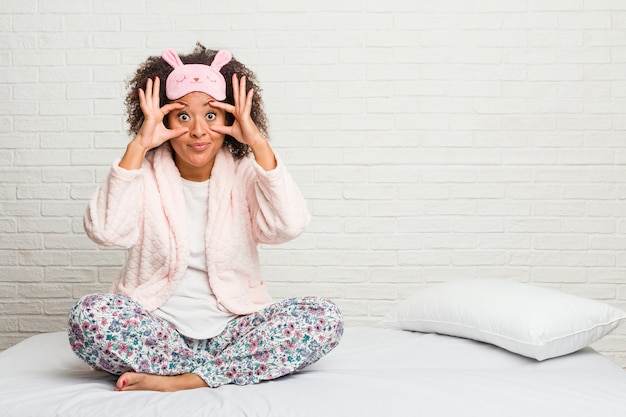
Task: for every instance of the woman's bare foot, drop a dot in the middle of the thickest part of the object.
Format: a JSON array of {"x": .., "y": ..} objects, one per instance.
[{"x": 133, "y": 381}]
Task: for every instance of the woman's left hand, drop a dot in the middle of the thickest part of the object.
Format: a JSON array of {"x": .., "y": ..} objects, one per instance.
[{"x": 243, "y": 129}]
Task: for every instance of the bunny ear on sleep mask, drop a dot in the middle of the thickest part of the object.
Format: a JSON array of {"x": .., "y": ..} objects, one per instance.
[{"x": 188, "y": 78}]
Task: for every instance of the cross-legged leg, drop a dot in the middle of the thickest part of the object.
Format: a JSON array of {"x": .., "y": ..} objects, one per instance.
[
  {"x": 114, "y": 333},
  {"x": 278, "y": 340}
]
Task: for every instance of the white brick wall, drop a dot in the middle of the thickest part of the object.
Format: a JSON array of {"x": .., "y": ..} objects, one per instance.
[{"x": 434, "y": 140}]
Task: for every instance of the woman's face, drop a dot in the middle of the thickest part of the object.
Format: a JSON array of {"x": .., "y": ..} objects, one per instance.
[{"x": 195, "y": 150}]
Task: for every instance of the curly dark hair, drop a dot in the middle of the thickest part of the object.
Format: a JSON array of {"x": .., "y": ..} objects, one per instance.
[{"x": 155, "y": 66}]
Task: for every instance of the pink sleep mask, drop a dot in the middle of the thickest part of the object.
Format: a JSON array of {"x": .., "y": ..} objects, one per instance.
[{"x": 188, "y": 78}]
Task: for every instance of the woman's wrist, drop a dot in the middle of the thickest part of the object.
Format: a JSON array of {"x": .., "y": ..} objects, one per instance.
[
  {"x": 134, "y": 155},
  {"x": 263, "y": 153}
]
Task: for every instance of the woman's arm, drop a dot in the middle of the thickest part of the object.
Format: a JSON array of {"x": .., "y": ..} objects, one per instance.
[
  {"x": 278, "y": 210},
  {"x": 113, "y": 214},
  {"x": 244, "y": 129},
  {"x": 153, "y": 132}
]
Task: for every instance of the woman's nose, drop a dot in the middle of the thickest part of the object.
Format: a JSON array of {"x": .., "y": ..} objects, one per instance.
[{"x": 197, "y": 129}]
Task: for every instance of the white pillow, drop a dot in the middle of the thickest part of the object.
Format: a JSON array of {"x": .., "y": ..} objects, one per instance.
[{"x": 532, "y": 321}]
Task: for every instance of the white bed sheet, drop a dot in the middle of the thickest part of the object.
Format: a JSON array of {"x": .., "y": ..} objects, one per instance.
[{"x": 373, "y": 372}]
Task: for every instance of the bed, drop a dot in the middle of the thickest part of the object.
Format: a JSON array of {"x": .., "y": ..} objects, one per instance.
[{"x": 375, "y": 371}]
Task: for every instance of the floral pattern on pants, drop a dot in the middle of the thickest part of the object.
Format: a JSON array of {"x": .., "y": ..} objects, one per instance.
[{"x": 114, "y": 333}]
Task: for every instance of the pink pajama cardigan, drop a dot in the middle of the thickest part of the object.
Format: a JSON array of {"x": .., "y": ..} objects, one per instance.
[{"x": 144, "y": 211}]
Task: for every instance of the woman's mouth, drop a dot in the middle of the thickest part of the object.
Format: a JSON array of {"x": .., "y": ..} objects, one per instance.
[{"x": 199, "y": 147}]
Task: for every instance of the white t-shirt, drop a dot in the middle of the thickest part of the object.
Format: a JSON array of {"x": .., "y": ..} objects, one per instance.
[{"x": 192, "y": 308}]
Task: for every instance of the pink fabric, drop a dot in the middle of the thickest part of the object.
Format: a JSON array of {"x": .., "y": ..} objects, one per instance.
[
  {"x": 196, "y": 77},
  {"x": 143, "y": 211}
]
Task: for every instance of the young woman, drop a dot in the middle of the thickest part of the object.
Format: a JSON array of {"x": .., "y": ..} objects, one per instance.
[{"x": 198, "y": 188}]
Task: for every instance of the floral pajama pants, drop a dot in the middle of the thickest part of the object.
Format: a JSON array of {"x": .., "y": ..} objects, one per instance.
[{"x": 113, "y": 333}]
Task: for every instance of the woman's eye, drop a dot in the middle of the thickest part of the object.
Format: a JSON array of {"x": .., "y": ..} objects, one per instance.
[
  {"x": 211, "y": 116},
  {"x": 183, "y": 117}
]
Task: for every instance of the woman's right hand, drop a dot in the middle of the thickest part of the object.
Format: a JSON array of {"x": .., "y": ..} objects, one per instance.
[{"x": 153, "y": 132}]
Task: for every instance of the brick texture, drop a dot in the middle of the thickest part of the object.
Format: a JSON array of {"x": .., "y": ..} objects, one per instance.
[{"x": 434, "y": 140}]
